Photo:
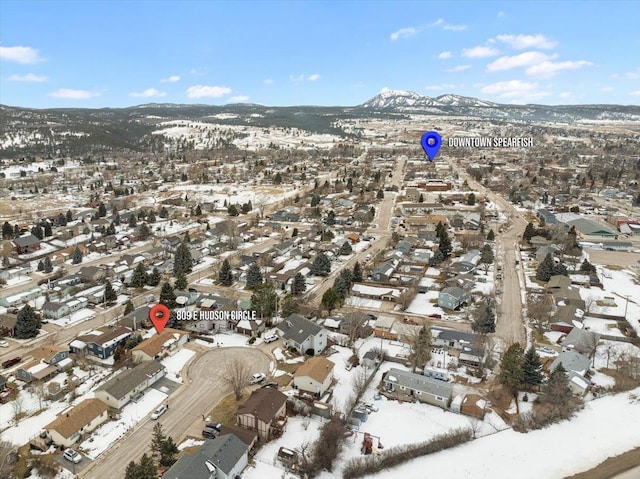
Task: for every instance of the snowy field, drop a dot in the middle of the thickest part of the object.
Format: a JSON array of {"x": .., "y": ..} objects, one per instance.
[
  {"x": 111, "y": 431},
  {"x": 175, "y": 363},
  {"x": 73, "y": 318},
  {"x": 364, "y": 302},
  {"x": 422, "y": 304},
  {"x": 602, "y": 430},
  {"x": 225, "y": 340}
]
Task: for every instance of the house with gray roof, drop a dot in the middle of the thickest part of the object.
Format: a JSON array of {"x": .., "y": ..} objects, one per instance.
[
  {"x": 453, "y": 297},
  {"x": 303, "y": 335},
  {"x": 117, "y": 392},
  {"x": 468, "y": 261},
  {"x": 384, "y": 272},
  {"x": 224, "y": 457},
  {"x": 571, "y": 361},
  {"x": 418, "y": 387},
  {"x": 582, "y": 341}
]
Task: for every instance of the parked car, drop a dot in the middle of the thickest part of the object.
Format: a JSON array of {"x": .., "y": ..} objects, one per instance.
[
  {"x": 370, "y": 407},
  {"x": 271, "y": 385},
  {"x": 210, "y": 433},
  {"x": 72, "y": 456},
  {"x": 257, "y": 378},
  {"x": 10, "y": 362},
  {"x": 214, "y": 425},
  {"x": 435, "y": 316},
  {"x": 4, "y": 344},
  {"x": 269, "y": 338},
  {"x": 159, "y": 412},
  {"x": 372, "y": 317}
]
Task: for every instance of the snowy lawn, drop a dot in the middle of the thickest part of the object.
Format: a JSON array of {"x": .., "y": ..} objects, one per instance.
[
  {"x": 176, "y": 362},
  {"x": 83, "y": 314},
  {"x": 110, "y": 432},
  {"x": 364, "y": 302},
  {"x": 422, "y": 304}
]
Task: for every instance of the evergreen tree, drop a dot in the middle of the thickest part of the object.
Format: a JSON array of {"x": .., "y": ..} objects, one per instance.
[
  {"x": 37, "y": 232},
  {"x": 557, "y": 389},
  {"x": 109, "y": 293},
  {"x": 151, "y": 217},
  {"x": 158, "y": 438},
  {"x": 128, "y": 307},
  {"x": 559, "y": 269},
  {"x": 144, "y": 231},
  {"x": 27, "y": 323},
  {"x": 321, "y": 265},
  {"x": 132, "y": 221},
  {"x": 346, "y": 248},
  {"x": 131, "y": 472},
  {"x": 277, "y": 179},
  {"x": 76, "y": 258},
  {"x": 254, "y": 276},
  {"x": 7, "y": 230},
  {"x": 357, "y": 272},
  {"x": 421, "y": 198},
  {"x": 187, "y": 237},
  {"x": 529, "y": 232},
  {"x": 299, "y": 285},
  {"x": 181, "y": 282},
  {"x": 486, "y": 320},
  {"x": 330, "y": 299},
  {"x": 491, "y": 236},
  {"x": 264, "y": 300},
  {"x": 69, "y": 216},
  {"x": 154, "y": 278},
  {"x": 587, "y": 267},
  {"x": 294, "y": 233},
  {"x": 445, "y": 246},
  {"x": 341, "y": 288},
  {"x": 331, "y": 218},
  {"x": 225, "y": 276},
  {"x": 471, "y": 199},
  {"x": 289, "y": 306},
  {"x": 315, "y": 199},
  {"x": 168, "y": 452},
  {"x": 48, "y": 266},
  {"x": 102, "y": 210},
  {"x": 139, "y": 276},
  {"x": 545, "y": 269},
  {"x": 380, "y": 194},
  {"x": 182, "y": 260},
  {"x": 437, "y": 258},
  {"x": 198, "y": 210},
  {"x": 40, "y": 265},
  {"x": 232, "y": 210},
  {"x": 487, "y": 254},
  {"x": 47, "y": 229},
  {"x": 164, "y": 212},
  {"x": 146, "y": 468},
  {"x": 511, "y": 368},
  {"x": 420, "y": 348},
  {"x": 532, "y": 368},
  {"x": 167, "y": 296}
]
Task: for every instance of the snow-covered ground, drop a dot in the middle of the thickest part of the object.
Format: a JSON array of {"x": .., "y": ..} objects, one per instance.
[
  {"x": 176, "y": 362},
  {"x": 225, "y": 340},
  {"x": 75, "y": 317},
  {"x": 110, "y": 432},
  {"x": 422, "y": 304},
  {"x": 363, "y": 302},
  {"x": 600, "y": 431}
]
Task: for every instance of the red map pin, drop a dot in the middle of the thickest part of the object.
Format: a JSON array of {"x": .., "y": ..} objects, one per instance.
[{"x": 159, "y": 316}]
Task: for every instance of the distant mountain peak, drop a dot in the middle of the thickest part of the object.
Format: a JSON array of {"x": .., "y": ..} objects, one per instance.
[{"x": 400, "y": 99}]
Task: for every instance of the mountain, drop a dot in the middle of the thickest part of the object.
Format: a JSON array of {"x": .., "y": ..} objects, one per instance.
[{"x": 399, "y": 99}]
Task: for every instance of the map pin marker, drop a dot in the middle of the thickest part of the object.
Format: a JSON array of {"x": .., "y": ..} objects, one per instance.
[
  {"x": 431, "y": 142},
  {"x": 159, "y": 316}
]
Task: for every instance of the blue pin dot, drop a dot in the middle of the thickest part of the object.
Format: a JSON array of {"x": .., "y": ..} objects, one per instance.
[{"x": 431, "y": 143}]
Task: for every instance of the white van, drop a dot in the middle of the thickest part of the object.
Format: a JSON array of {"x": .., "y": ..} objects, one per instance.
[{"x": 269, "y": 338}]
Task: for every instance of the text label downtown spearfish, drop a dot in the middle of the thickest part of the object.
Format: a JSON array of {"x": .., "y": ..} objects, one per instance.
[
  {"x": 217, "y": 315},
  {"x": 490, "y": 142}
]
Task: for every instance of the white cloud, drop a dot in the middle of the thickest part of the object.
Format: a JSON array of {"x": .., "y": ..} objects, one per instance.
[
  {"x": 73, "y": 94},
  {"x": 444, "y": 55},
  {"x": 515, "y": 90},
  {"x": 635, "y": 93},
  {"x": 403, "y": 33},
  {"x": 455, "y": 28},
  {"x": 458, "y": 68},
  {"x": 520, "y": 42},
  {"x": 148, "y": 93},
  {"x": 500, "y": 14},
  {"x": 437, "y": 23},
  {"x": 565, "y": 94},
  {"x": 171, "y": 79},
  {"x": 633, "y": 75},
  {"x": 238, "y": 99},
  {"x": 268, "y": 81},
  {"x": 441, "y": 86},
  {"x": 296, "y": 78},
  {"x": 606, "y": 88},
  {"x": 479, "y": 52},
  {"x": 525, "y": 59},
  {"x": 29, "y": 77},
  {"x": 204, "y": 91},
  {"x": 548, "y": 69},
  {"x": 20, "y": 54},
  {"x": 385, "y": 89},
  {"x": 313, "y": 77}
]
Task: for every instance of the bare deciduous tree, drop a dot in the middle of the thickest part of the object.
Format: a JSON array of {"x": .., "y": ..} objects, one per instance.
[{"x": 237, "y": 376}]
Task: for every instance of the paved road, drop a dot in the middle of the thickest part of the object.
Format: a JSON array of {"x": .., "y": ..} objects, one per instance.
[{"x": 205, "y": 386}]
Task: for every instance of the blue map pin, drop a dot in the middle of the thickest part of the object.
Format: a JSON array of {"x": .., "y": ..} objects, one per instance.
[{"x": 431, "y": 142}]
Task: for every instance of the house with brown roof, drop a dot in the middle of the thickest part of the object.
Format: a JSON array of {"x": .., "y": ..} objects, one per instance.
[
  {"x": 314, "y": 376},
  {"x": 163, "y": 344},
  {"x": 264, "y": 412},
  {"x": 71, "y": 426},
  {"x": 47, "y": 361}
]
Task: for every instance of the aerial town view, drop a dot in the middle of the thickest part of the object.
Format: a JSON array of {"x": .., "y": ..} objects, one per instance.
[{"x": 298, "y": 240}]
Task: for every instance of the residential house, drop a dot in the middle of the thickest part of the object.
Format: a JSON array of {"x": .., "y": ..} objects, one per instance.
[
  {"x": 569, "y": 295},
  {"x": 170, "y": 243},
  {"x": 60, "y": 309},
  {"x": 383, "y": 328},
  {"x": 73, "y": 425},
  {"x": 250, "y": 327},
  {"x": 20, "y": 298},
  {"x": 582, "y": 341},
  {"x": 224, "y": 457},
  {"x": 167, "y": 342},
  {"x": 136, "y": 318},
  {"x": 571, "y": 361},
  {"x": 92, "y": 274},
  {"x": 314, "y": 376},
  {"x": 26, "y": 244},
  {"x": 453, "y": 297},
  {"x": 467, "y": 262},
  {"x": 558, "y": 282},
  {"x": 117, "y": 392},
  {"x": 263, "y": 412},
  {"x": 384, "y": 272},
  {"x": 418, "y": 387},
  {"x": 450, "y": 338},
  {"x": 303, "y": 335},
  {"x": 376, "y": 292},
  {"x": 370, "y": 359},
  {"x": 101, "y": 343},
  {"x": 546, "y": 216},
  {"x": 47, "y": 361}
]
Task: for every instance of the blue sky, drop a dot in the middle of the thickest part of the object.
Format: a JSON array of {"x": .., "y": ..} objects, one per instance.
[{"x": 118, "y": 53}]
